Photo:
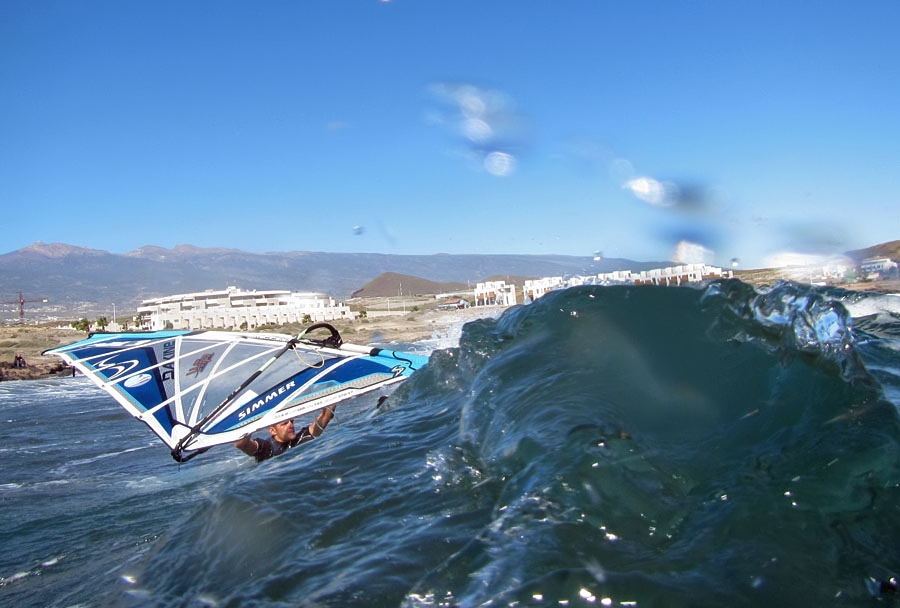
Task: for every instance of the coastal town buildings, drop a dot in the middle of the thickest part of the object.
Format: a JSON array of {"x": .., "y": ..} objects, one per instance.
[
  {"x": 676, "y": 275},
  {"x": 836, "y": 268},
  {"x": 233, "y": 308},
  {"x": 671, "y": 275},
  {"x": 495, "y": 293},
  {"x": 454, "y": 304},
  {"x": 535, "y": 288},
  {"x": 618, "y": 276},
  {"x": 498, "y": 293},
  {"x": 877, "y": 266}
]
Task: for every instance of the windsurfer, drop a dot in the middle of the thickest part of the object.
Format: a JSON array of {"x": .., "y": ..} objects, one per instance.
[{"x": 284, "y": 436}]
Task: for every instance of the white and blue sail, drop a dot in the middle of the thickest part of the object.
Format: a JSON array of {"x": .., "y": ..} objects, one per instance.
[{"x": 197, "y": 389}]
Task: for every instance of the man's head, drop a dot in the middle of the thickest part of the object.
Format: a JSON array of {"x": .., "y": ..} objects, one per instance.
[{"x": 283, "y": 432}]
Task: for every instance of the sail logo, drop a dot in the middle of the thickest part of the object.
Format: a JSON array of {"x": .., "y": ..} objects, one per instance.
[
  {"x": 113, "y": 369},
  {"x": 138, "y": 380},
  {"x": 274, "y": 395},
  {"x": 200, "y": 365},
  {"x": 168, "y": 369}
]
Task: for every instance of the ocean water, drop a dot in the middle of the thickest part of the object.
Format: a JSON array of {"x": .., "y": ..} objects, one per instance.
[{"x": 603, "y": 446}]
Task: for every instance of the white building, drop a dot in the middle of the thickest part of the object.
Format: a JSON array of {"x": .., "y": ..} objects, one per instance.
[
  {"x": 454, "y": 304},
  {"x": 877, "y": 265},
  {"x": 535, "y": 288},
  {"x": 618, "y": 276},
  {"x": 495, "y": 293},
  {"x": 576, "y": 280},
  {"x": 676, "y": 275},
  {"x": 836, "y": 268},
  {"x": 672, "y": 275},
  {"x": 235, "y": 309}
]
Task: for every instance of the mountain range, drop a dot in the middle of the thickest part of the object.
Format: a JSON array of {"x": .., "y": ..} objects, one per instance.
[{"x": 78, "y": 281}]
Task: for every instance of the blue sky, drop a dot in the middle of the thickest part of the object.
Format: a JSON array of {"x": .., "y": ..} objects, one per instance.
[{"x": 726, "y": 131}]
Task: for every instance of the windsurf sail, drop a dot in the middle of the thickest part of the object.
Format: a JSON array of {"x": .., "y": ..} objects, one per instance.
[{"x": 197, "y": 389}]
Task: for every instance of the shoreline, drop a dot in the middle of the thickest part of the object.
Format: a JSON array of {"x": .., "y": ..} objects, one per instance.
[
  {"x": 419, "y": 320},
  {"x": 413, "y": 326}
]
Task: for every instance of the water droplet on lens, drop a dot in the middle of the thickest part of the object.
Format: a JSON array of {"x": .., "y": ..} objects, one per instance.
[{"x": 500, "y": 163}]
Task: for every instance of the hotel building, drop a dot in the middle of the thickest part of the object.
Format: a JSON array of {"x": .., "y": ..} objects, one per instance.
[{"x": 233, "y": 308}]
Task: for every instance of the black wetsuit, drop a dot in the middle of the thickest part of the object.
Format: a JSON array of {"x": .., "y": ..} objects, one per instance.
[{"x": 267, "y": 448}]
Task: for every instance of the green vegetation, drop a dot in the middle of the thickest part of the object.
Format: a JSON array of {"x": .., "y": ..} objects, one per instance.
[{"x": 82, "y": 325}]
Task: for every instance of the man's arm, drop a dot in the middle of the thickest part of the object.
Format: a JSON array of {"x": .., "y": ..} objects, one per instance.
[
  {"x": 247, "y": 445},
  {"x": 321, "y": 421}
]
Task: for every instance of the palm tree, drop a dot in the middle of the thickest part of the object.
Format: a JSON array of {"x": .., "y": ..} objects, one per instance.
[{"x": 82, "y": 325}]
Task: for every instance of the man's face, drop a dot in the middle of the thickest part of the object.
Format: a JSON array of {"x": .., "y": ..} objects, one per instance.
[{"x": 283, "y": 431}]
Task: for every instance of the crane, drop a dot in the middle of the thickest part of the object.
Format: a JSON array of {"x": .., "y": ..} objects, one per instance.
[{"x": 21, "y": 302}]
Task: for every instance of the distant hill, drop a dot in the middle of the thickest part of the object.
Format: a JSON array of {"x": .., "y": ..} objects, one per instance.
[
  {"x": 391, "y": 284},
  {"x": 79, "y": 281},
  {"x": 884, "y": 250}
]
